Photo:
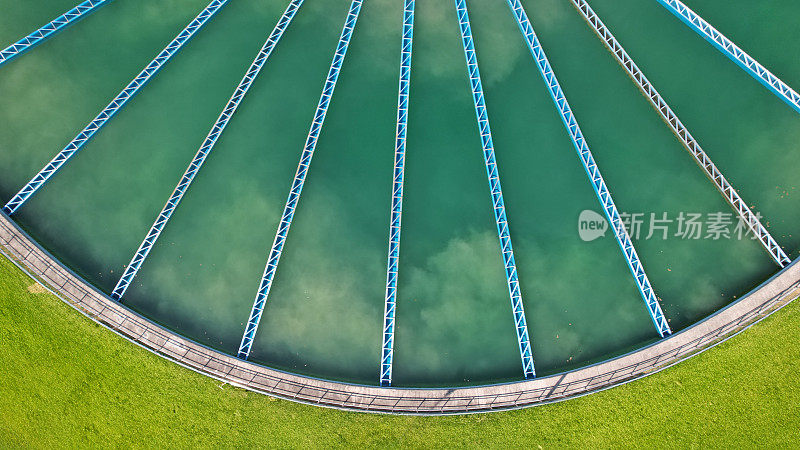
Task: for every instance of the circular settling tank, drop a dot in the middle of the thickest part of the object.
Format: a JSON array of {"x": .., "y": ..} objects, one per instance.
[{"x": 460, "y": 310}]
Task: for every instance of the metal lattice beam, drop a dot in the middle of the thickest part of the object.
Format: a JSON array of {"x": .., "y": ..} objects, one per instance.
[
  {"x": 585, "y": 155},
  {"x": 387, "y": 348},
  {"x": 497, "y": 194},
  {"x": 299, "y": 180},
  {"x": 732, "y": 51},
  {"x": 106, "y": 114},
  {"x": 689, "y": 142},
  {"x": 199, "y": 158},
  {"x": 54, "y": 26}
]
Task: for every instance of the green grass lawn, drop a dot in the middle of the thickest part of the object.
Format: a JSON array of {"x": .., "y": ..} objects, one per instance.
[{"x": 69, "y": 382}]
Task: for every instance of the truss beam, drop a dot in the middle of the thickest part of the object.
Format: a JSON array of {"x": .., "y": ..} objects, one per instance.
[
  {"x": 387, "y": 347},
  {"x": 733, "y": 52},
  {"x": 686, "y": 138},
  {"x": 106, "y": 114},
  {"x": 54, "y": 26},
  {"x": 512, "y": 278},
  {"x": 589, "y": 164},
  {"x": 208, "y": 145},
  {"x": 299, "y": 179}
]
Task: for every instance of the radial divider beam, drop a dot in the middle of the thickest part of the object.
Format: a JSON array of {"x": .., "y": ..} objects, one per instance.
[
  {"x": 299, "y": 179},
  {"x": 733, "y": 52},
  {"x": 686, "y": 138},
  {"x": 387, "y": 348},
  {"x": 512, "y": 278},
  {"x": 585, "y": 155},
  {"x": 208, "y": 145},
  {"x": 54, "y": 26},
  {"x": 106, "y": 114}
]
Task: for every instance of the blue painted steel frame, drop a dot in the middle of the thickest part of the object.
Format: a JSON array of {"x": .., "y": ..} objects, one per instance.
[
  {"x": 683, "y": 134},
  {"x": 387, "y": 349},
  {"x": 205, "y": 149},
  {"x": 585, "y": 155},
  {"x": 106, "y": 114},
  {"x": 54, "y": 26},
  {"x": 497, "y": 194},
  {"x": 299, "y": 180},
  {"x": 732, "y": 51}
]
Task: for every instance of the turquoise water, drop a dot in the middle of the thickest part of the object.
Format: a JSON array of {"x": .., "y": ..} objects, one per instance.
[{"x": 454, "y": 324}]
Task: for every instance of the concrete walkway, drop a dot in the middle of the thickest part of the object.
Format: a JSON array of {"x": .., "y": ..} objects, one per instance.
[{"x": 762, "y": 301}]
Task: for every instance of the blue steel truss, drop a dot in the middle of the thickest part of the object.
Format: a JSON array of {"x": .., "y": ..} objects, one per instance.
[
  {"x": 497, "y": 194},
  {"x": 205, "y": 150},
  {"x": 54, "y": 26},
  {"x": 119, "y": 101},
  {"x": 732, "y": 51},
  {"x": 299, "y": 180},
  {"x": 585, "y": 155},
  {"x": 387, "y": 350},
  {"x": 689, "y": 142}
]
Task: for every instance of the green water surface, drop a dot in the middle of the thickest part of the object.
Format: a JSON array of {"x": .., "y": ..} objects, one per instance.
[{"x": 454, "y": 321}]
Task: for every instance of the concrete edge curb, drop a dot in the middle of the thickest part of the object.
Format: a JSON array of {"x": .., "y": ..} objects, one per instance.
[{"x": 767, "y": 298}]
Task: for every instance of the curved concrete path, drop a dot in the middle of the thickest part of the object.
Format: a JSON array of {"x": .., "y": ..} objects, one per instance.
[{"x": 759, "y": 303}]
